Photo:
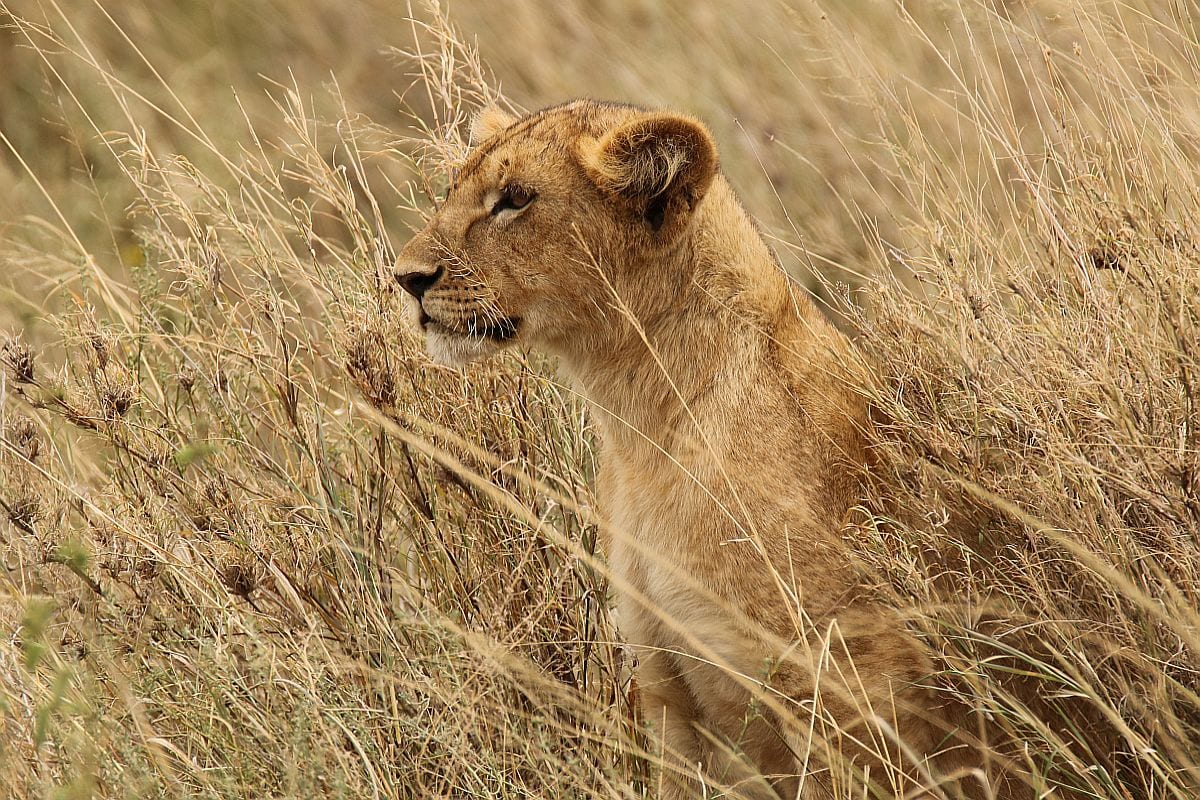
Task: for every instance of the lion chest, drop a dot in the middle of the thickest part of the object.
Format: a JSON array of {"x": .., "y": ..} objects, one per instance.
[
  {"x": 673, "y": 545},
  {"x": 689, "y": 542}
]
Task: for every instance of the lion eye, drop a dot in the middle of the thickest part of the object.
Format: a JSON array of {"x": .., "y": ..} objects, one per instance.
[{"x": 514, "y": 198}]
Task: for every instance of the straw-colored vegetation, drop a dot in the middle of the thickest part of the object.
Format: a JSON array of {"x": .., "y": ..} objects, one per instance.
[{"x": 255, "y": 545}]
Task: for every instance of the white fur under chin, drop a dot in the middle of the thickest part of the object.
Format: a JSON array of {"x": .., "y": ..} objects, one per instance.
[{"x": 458, "y": 351}]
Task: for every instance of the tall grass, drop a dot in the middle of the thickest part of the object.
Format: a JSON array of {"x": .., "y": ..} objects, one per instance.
[{"x": 256, "y": 545}]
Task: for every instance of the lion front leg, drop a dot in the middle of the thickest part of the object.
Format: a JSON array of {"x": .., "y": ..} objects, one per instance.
[{"x": 667, "y": 704}]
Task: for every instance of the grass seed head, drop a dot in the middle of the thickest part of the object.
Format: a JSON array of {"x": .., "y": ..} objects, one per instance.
[{"x": 18, "y": 359}]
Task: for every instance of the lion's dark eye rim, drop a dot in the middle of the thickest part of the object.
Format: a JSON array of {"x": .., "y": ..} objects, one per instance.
[{"x": 513, "y": 197}]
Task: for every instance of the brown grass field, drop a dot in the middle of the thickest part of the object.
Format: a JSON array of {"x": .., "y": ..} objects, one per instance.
[{"x": 257, "y": 546}]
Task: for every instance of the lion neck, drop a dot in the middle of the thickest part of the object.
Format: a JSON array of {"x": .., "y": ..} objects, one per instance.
[{"x": 704, "y": 320}]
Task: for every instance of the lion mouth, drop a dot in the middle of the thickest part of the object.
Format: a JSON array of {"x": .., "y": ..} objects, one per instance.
[{"x": 498, "y": 330}]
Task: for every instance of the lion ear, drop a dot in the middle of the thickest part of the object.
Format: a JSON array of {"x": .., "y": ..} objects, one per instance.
[
  {"x": 489, "y": 121},
  {"x": 661, "y": 164}
]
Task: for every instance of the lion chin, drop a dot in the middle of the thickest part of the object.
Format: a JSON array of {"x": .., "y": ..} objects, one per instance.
[{"x": 456, "y": 350}]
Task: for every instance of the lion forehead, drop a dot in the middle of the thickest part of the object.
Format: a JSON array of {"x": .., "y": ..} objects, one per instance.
[{"x": 541, "y": 136}]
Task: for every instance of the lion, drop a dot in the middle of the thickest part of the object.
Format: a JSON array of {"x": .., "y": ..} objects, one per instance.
[{"x": 731, "y": 440}]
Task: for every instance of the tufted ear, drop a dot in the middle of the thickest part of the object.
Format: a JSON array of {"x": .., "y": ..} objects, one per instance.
[
  {"x": 662, "y": 164},
  {"x": 489, "y": 121}
]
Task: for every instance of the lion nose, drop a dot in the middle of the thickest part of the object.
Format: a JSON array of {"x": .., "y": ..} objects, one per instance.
[{"x": 416, "y": 279}]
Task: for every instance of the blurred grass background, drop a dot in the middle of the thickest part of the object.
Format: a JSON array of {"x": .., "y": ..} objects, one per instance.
[
  {"x": 787, "y": 88},
  {"x": 255, "y": 545}
]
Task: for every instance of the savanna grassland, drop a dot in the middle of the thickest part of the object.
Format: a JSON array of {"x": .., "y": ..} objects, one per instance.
[{"x": 256, "y": 545}]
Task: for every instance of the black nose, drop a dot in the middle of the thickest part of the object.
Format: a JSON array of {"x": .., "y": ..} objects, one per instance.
[{"x": 417, "y": 283}]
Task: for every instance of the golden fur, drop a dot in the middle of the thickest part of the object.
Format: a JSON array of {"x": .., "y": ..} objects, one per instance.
[{"x": 731, "y": 442}]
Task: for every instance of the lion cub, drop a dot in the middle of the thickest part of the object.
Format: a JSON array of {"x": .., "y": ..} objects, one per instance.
[{"x": 731, "y": 443}]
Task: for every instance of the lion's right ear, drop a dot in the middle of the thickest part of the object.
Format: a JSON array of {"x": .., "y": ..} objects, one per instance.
[
  {"x": 489, "y": 121},
  {"x": 662, "y": 164}
]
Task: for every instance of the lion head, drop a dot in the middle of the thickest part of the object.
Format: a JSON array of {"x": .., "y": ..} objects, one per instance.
[{"x": 551, "y": 218}]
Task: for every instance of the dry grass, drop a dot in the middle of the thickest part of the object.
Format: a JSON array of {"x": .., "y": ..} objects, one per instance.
[{"x": 255, "y": 545}]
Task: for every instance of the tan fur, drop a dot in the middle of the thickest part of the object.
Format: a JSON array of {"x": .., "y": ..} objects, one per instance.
[
  {"x": 488, "y": 122},
  {"x": 731, "y": 442}
]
